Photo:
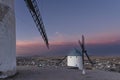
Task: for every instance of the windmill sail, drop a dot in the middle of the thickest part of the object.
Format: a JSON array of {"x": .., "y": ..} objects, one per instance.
[
  {"x": 34, "y": 10},
  {"x": 88, "y": 58},
  {"x": 84, "y": 51},
  {"x": 81, "y": 46}
]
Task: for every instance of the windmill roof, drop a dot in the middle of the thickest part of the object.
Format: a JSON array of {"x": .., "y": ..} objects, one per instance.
[{"x": 75, "y": 52}]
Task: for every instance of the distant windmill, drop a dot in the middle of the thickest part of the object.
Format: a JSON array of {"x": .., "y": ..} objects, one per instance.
[
  {"x": 84, "y": 52},
  {"x": 74, "y": 59}
]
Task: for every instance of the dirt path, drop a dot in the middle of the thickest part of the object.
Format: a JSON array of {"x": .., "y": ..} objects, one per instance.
[{"x": 36, "y": 73}]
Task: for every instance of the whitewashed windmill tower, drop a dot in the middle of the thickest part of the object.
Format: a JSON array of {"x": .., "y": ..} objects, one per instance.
[
  {"x": 74, "y": 59},
  {"x": 8, "y": 34},
  {"x": 7, "y": 38}
]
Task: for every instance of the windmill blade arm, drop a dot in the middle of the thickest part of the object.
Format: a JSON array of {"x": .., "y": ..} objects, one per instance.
[
  {"x": 83, "y": 58},
  {"x": 34, "y": 10},
  {"x": 30, "y": 5},
  {"x": 83, "y": 41},
  {"x": 80, "y": 43},
  {"x": 88, "y": 58}
]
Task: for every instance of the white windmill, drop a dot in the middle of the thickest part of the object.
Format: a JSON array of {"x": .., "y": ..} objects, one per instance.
[{"x": 74, "y": 59}]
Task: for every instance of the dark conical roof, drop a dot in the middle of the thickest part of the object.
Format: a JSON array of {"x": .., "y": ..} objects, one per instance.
[{"x": 75, "y": 52}]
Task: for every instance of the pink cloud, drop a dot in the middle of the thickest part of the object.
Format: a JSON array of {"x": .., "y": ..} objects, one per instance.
[
  {"x": 61, "y": 42},
  {"x": 103, "y": 38}
]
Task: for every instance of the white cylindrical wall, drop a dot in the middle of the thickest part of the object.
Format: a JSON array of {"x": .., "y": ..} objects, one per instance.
[
  {"x": 7, "y": 39},
  {"x": 75, "y": 61}
]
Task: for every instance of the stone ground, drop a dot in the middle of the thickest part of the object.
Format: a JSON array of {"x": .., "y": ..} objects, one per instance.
[{"x": 61, "y": 73}]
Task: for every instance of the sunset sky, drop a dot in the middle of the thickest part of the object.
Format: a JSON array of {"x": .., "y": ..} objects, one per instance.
[{"x": 65, "y": 21}]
